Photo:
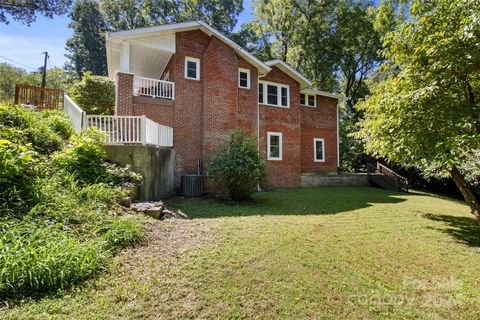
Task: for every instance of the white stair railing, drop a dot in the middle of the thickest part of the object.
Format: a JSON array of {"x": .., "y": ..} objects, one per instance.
[
  {"x": 153, "y": 88},
  {"x": 132, "y": 129},
  {"x": 120, "y": 129},
  {"x": 75, "y": 113}
]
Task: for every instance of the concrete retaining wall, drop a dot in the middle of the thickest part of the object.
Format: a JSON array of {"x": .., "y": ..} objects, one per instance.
[
  {"x": 338, "y": 180},
  {"x": 155, "y": 164}
]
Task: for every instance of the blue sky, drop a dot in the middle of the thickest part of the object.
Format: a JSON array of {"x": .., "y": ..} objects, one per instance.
[{"x": 24, "y": 45}]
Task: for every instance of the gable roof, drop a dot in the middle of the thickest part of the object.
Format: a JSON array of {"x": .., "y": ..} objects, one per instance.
[
  {"x": 304, "y": 82},
  {"x": 187, "y": 26}
]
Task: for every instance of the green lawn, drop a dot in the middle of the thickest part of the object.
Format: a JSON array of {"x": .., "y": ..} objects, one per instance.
[{"x": 300, "y": 253}]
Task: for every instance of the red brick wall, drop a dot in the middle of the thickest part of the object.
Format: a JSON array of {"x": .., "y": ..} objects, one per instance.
[
  {"x": 319, "y": 122},
  {"x": 220, "y": 94},
  {"x": 124, "y": 96},
  {"x": 285, "y": 172},
  {"x": 204, "y": 112},
  {"x": 247, "y": 113}
]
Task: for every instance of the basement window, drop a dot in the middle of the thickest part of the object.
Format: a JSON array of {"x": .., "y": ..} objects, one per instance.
[
  {"x": 319, "y": 150},
  {"x": 308, "y": 100},
  {"x": 274, "y": 146},
  {"x": 244, "y": 78},
  {"x": 192, "y": 68}
]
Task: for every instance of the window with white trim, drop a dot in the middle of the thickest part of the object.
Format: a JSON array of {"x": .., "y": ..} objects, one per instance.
[
  {"x": 244, "y": 78},
  {"x": 192, "y": 68},
  {"x": 308, "y": 100},
  {"x": 274, "y": 94},
  {"x": 319, "y": 150},
  {"x": 274, "y": 145}
]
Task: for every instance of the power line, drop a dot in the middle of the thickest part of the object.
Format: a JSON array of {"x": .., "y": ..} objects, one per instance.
[
  {"x": 24, "y": 37},
  {"x": 19, "y": 63}
]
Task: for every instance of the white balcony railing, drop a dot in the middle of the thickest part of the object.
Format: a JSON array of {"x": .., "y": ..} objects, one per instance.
[
  {"x": 132, "y": 130},
  {"x": 153, "y": 88}
]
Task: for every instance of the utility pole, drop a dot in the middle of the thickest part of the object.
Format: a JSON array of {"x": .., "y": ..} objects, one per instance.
[{"x": 44, "y": 75}]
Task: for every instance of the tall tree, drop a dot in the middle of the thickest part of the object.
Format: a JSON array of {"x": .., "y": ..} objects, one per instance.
[
  {"x": 335, "y": 43},
  {"x": 26, "y": 11},
  {"x": 87, "y": 45},
  {"x": 129, "y": 14},
  {"x": 426, "y": 113}
]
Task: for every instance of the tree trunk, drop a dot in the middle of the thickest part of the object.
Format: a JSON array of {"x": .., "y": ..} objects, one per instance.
[{"x": 467, "y": 193}]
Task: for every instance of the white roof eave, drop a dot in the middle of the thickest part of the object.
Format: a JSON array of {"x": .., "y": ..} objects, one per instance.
[
  {"x": 186, "y": 26},
  {"x": 320, "y": 93},
  {"x": 304, "y": 82}
]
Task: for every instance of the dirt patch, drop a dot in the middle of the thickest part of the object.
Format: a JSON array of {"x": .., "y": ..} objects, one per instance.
[{"x": 144, "y": 279}]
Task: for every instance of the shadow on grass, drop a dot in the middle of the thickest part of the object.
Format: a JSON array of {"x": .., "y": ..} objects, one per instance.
[
  {"x": 463, "y": 229},
  {"x": 298, "y": 201}
]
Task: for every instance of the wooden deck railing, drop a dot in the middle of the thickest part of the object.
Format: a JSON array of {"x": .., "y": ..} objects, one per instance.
[{"x": 42, "y": 98}]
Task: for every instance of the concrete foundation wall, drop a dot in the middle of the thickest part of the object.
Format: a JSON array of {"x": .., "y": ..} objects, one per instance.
[
  {"x": 155, "y": 164},
  {"x": 340, "y": 180}
]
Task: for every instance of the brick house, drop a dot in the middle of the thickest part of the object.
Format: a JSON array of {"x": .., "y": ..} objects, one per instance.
[{"x": 190, "y": 77}]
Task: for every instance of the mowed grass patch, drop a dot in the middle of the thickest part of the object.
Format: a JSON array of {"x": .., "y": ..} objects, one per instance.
[{"x": 299, "y": 253}]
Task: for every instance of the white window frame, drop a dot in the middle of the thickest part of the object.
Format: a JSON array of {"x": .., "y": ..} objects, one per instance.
[
  {"x": 315, "y": 140},
  {"x": 280, "y": 145},
  {"x": 247, "y": 71},
  {"x": 197, "y": 61},
  {"x": 306, "y": 100},
  {"x": 279, "y": 94}
]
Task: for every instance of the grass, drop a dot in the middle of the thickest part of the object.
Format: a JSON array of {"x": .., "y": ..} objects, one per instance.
[{"x": 301, "y": 253}]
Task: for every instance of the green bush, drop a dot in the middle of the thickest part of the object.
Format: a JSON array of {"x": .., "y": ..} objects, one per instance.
[
  {"x": 123, "y": 232},
  {"x": 94, "y": 94},
  {"x": 57, "y": 121},
  {"x": 237, "y": 166},
  {"x": 58, "y": 210},
  {"x": 23, "y": 126},
  {"x": 85, "y": 156},
  {"x": 38, "y": 256}
]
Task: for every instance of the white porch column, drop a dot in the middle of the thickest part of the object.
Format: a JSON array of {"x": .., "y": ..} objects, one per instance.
[{"x": 125, "y": 57}]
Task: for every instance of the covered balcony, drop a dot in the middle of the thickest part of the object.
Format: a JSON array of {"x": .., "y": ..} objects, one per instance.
[{"x": 146, "y": 57}]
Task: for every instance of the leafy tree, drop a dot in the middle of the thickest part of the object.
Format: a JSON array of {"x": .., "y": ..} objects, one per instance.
[
  {"x": 129, "y": 14},
  {"x": 94, "y": 94},
  {"x": 87, "y": 45},
  {"x": 427, "y": 113},
  {"x": 254, "y": 42},
  {"x": 334, "y": 43},
  {"x": 25, "y": 11},
  {"x": 220, "y": 14},
  {"x": 237, "y": 166},
  {"x": 9, "y": 75}
]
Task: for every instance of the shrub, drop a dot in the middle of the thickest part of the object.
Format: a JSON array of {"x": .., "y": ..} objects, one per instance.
[
  {"x": 123, "y": 232},
  {"x": 14, "y": 182},
  {"x": 37, "y": 256},
  {"x": 94, "y": 94},
  {"x": 24, "y": 126},
  {"x": 85, "y": 156},
  {"x": 58, "y": 122},
  {"x": 237, "y": 166},
  {"x": 58, "y": 222}
]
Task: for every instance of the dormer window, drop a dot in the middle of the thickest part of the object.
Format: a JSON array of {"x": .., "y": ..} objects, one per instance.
[{"x": 192, "y": 68}]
